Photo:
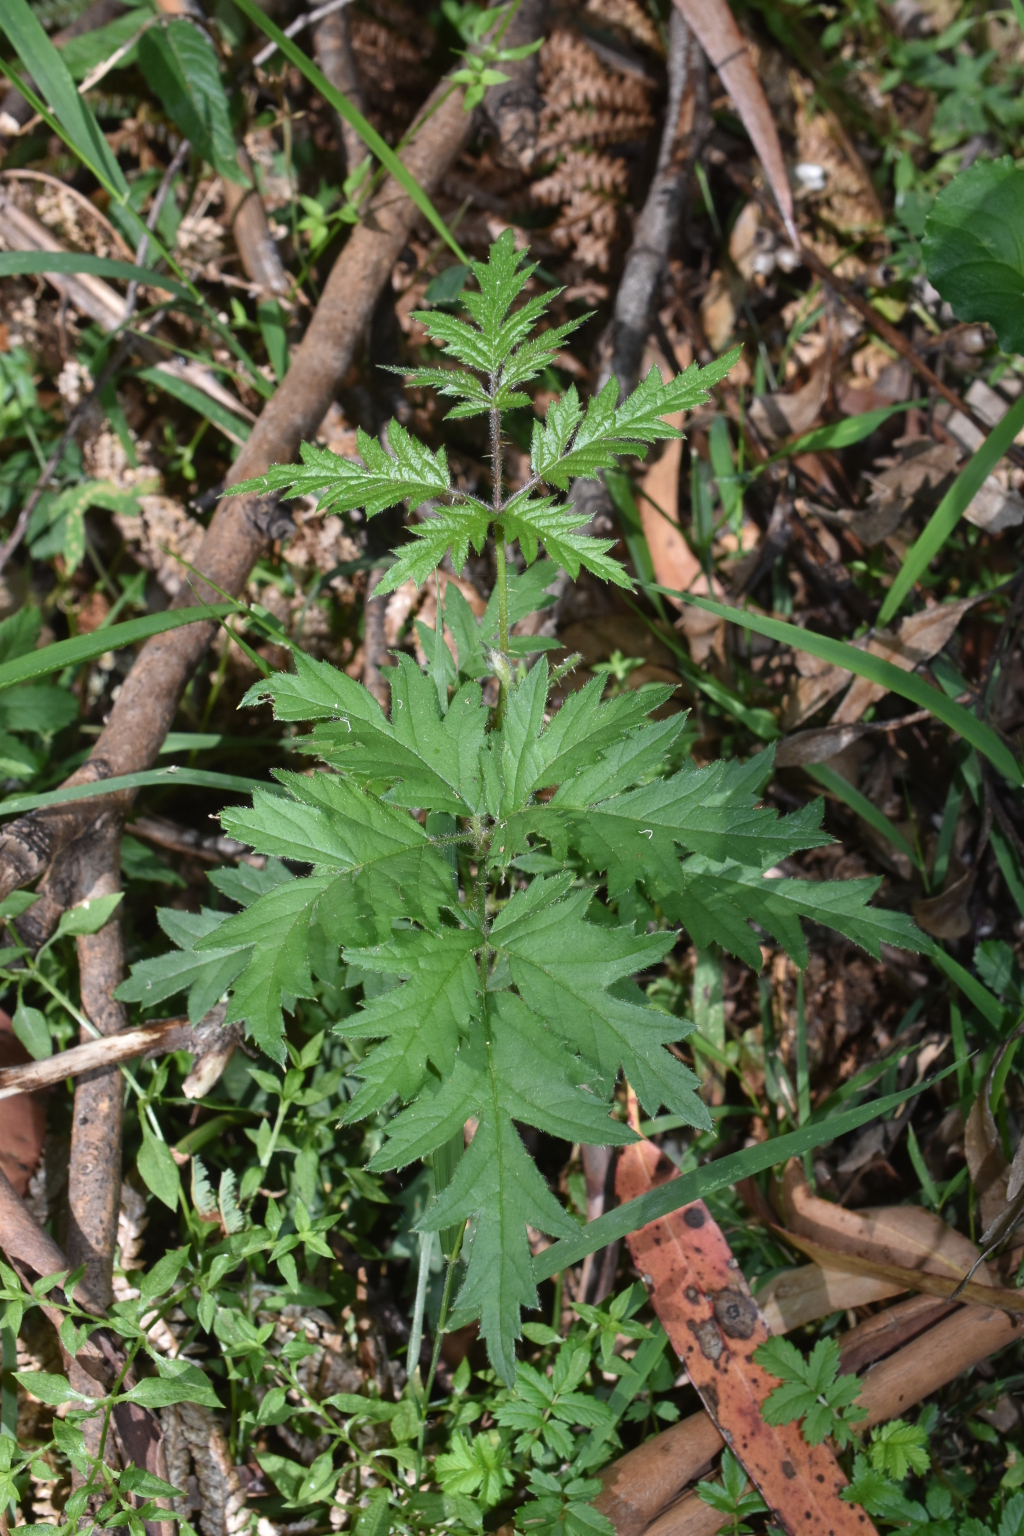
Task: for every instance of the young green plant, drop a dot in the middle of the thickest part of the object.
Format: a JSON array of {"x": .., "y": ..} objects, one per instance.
[{"x": 505, "y": 866}]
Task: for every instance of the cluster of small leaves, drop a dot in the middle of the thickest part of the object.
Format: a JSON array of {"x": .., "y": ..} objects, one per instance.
[
  {"x": 878, "y": 1485},
  {"x": 811, "y": 1390},
  {"x": 731, "y": 1495},
  {"x": 499, "y": 355}
]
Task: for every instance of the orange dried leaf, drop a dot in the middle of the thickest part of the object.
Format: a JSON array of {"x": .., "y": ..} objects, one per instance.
[{"x": 714, "y": 1324}]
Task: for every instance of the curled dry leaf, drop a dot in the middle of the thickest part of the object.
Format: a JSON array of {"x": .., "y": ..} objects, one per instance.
[
  {"x": 920, "y": 637},
  {"x": 945, "y": 916},
  {"x": 900, "y": 1235},
  {"x": 24, "y": 1120},
  {"x": 798, "y": 1296},
  {"x": 714, "y": 1325},
  {"x": 727, "y": 51}
]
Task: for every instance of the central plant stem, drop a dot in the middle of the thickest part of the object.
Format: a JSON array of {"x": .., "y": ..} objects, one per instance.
[{"x": 499, "y": 547}]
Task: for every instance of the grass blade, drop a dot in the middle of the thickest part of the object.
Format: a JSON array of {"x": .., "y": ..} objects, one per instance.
[
  {"x": 843, "y": 790},
  {"x": 148, "y": 778},
  {"x": 204, "y": 405},
  {"x": 369, "y": 135},
  {"x": 841, "y": 434},
  {"x": 71, "y": 653},
  {"x": 53, "y": 79},
  {"x": 22, "y": 263},
  {"x": 986, "y": 1003},
  {"x": 717, "y": 1175},
  {"x": 907, "y": 684},
  {"x": 952, "y": 507}
]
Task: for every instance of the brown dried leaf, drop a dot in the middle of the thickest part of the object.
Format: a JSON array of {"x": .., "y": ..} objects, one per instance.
[
  {"x": 945, "y": 916},
  {"x": 727, "y": 51},
  {"x": 903, "y": 1235},
  {"x": 798, "y": 1296}
]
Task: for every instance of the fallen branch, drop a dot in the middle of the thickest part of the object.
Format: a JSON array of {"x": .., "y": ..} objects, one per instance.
[
  {"x": 151, "y": 1040},
  {"x": 94, "y": 1167},
  {"x": 334, "y": 58},
  {"x": 146, "y": 706},
  {"x": 210, "y": 1042}
]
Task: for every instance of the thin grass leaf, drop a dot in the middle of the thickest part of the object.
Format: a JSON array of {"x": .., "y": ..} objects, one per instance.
[
  {"x": 840, "y": 434},
  {"x": 197, "y": 400},
  {"x": 369, "y": 135},
  {"x": 72, "y": 653},
  {"x": 148, "y": 778},
  {"x": 53, "y": 78},
  {"x": 22, "y": 263},
  {"x": 987, "y": 1005},
  {"x": 714, "y": 1176},
  {"x": 907, "y": 684},
  {"x": 843, "y": 790},
  {"x": 951, "y": 509}
]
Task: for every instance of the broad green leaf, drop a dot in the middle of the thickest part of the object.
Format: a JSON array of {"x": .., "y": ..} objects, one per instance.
[
  {"x": 974, "y": 247},
  {"x": 496, "y": 1183},
  {"x": 159, "y": 1171},
  {"x": 40, "y": 709},
  {"x": 89, "y": 916},
  {"x": 22, "y": 667},
  {"x": 179, "y": 63},
  {"x": 32, "y": 1030},
  {"x": 573, "y": 975},
  {"x": 369, "y": 135},
  {"x": 83, "y": 53},
  {"x": 715, "y": 902},
  {"x": 277, "y": 928},
  {"x": 179, "y": 1381},
  {"x": 720, "y": 1174},
  {"x": 955, "y": 503},
  {"x": 52, "y": 77},
  {"x": 907, "y": 684},
  {"x": 408, "y": 472},
  {"x": 421, "y": 1021},
  {"x": 50, "y": 1389}
]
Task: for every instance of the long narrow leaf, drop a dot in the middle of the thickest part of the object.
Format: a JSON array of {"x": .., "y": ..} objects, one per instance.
[
  {"x": 952, "y": 508},
  {"x": 21, "y": 263},
  {"x": 53, "y": 79},
  {"x": 369, "y": 135},
  {"x": 834, "y": 782},
  {"x": 204, "y": 405},
  {"x": 147, "y": 778},
  {"x": 840, "y": 434},
  {"x": 717, "y": 1175},
  {"x": 907, "y": 684},
  {"x": 71, "y": 653},
  {"x": 987, "y": 1004}
]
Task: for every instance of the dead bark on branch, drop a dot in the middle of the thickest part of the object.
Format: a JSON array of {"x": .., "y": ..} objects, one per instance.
[
  {"x": 146, "y": 706},
  {"x": 246, "y": 217},
  {"x": 334, "y": 57},
  {"x": 94, "y": 1169}
]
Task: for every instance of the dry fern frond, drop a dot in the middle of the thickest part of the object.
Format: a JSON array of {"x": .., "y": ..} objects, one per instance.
[
  {"x": 630, "y": 16},
  {"x": 587, "y": 108}
]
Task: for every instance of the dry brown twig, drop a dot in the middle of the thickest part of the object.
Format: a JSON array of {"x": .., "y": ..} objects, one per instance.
[{"x": 210, "y": 1042}]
